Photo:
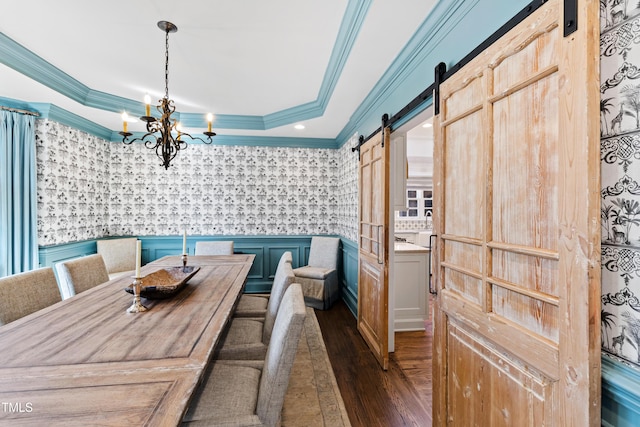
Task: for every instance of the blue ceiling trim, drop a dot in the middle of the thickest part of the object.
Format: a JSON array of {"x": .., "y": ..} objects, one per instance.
[
  {"x": 440, "y": 21},
  {"x": 347, "y": 35},
  {"x": 298, "y": 113},
  {"x": 116, "y": 104},
  {"x": 31, "y": 65},
  {"x": 19, "y": 105},
  {"x": 222, "y": 121},
  {"x": 274, "y": 141},
  {"x": 60, "y": 115},
  {"x": 255, "y": 141}
]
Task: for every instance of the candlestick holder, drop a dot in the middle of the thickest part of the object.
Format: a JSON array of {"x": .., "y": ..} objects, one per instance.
[
  {"x": 184, "y": 262},
  {"x": 137, "y": 306}
]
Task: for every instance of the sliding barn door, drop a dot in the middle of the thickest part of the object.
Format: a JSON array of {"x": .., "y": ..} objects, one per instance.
[
  {"x": 517, "y": 221},
  {"x": 373, "y": 259}
]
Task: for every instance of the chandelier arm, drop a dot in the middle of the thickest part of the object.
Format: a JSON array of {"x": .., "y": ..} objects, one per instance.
[
  {"x": 157, "y": 141},
  {"x": 207, "y": 141},
  {"x": 151, "y": 143},
  {"x": 153, "y": 127},
  {"x": 128, "y": 141}
]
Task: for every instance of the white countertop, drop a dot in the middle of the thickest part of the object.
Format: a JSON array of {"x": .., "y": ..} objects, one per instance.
[{"x": 404, "y": 247}]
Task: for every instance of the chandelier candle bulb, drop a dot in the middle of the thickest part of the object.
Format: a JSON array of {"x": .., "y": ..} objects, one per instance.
[
  {"x": 184, "y": 242},
  {"x": 125, "y": 118},
  {"x": 209, "y": 121},
  {"x": 147, "y": 105},
  {"x": 138, "y": 257}
]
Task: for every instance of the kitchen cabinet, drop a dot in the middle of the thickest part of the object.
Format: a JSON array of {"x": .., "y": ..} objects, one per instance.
[{"x": 411, "y": 281}]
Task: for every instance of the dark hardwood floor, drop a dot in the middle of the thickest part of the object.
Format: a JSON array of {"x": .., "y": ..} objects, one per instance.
[{"x": 400, "y": 396}]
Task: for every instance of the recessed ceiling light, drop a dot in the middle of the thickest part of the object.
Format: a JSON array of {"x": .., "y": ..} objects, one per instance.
[
  {"x": 299, "y": 126},
  {"x": 427, "y": 125}
]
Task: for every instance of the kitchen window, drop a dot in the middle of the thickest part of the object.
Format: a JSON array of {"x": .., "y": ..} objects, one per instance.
[{"x": 419, "y": 205}]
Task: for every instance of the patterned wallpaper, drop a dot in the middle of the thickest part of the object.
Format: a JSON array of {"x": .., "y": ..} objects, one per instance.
[
  {"x": 620, "y": 170},
  {"x": 348, "y": 191},
  {"x": 89, "y": 188},
  {"x": 72, "y": 184}
]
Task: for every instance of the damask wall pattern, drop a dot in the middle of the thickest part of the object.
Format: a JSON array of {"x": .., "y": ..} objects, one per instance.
[
  {"x": 72, "y": 184},
  {"x": 348, "y": 191},
  {"x": 90, "y": 188},
  {"x": 620, "y": 179},
  {"x": 224, "y": 190}
]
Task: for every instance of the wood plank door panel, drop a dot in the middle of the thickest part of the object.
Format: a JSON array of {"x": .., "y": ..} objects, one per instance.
[
  {"x": 516, "y": 213},
  {"x": 373, "y": 259}
]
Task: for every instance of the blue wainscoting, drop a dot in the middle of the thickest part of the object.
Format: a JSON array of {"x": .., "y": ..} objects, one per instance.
[
  {"x": 620, "y": 383},
  {"x": 620, "y": 394},
  {"x": 50, "y": 255},
  {"x": 349, "y": 274},
  {"x": 267, "y": 249}
]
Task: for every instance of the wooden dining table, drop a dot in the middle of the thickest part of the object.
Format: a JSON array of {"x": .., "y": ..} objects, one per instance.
[{"x": 86, "y": 361}]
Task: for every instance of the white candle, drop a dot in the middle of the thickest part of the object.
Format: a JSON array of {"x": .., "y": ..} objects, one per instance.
[
  {"x": 184, "y": 242},
  {"x": 147, "y": 105},
  {"x": 125, "y": 119},
  {"x": 209, "y": 121},
  {"x": 138, "y": 257}
]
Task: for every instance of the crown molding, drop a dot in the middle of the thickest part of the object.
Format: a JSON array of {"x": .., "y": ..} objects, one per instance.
[
  {"x": 31, "y": 65},
  {"x": 350, "y": 26},
  {"x": 444, "y": 17},
  {"x": 249, "y": 140},
  {"x": 222, "y": 121},
  {"x": 60, "y": 115},
  {"x": 20, "y": 105}
]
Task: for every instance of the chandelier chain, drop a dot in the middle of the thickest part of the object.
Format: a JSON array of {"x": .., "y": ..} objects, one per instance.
[{"x": 166, "y": 65}]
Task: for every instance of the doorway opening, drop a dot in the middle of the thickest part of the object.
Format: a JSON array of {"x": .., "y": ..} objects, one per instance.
[{"x": 410, "y": 312}]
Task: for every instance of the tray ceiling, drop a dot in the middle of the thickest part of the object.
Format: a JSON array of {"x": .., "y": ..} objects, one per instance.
[{"x": 282, "y": 61}]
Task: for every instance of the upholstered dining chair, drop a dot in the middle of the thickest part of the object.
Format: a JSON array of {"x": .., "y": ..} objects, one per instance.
[
  {"x": 26, "y": 293},
  {"x": 255, "y": 306},
  {"x": 252, "y": 393},
  {"x": 247, "y": 338},
  {"x": 119, "y": 255},
  {"x": 80, "y": 274},
  {"x": 319, "y": 278},
  {"x": 223, "y": 247}
]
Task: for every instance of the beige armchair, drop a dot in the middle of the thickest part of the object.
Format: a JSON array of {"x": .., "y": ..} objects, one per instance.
[
  {"x": 255, "y": 306},
  {"x": 252, "y": 393},
  {"x": 25, "y": 293},
  {"x": 224, "y": 247},
  {"x": 319, "y": 278},
  {"x": 80, "y": 274},
  {"x": 247, "y": 338},
  {"x": 119, "y": 255}
]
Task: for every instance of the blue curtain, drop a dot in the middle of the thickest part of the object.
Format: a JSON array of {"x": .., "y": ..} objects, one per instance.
[{"x": 18, "y": 217}]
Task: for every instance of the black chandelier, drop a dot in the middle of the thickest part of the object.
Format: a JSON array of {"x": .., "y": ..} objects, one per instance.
[{"x": 165, "y": 144}]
